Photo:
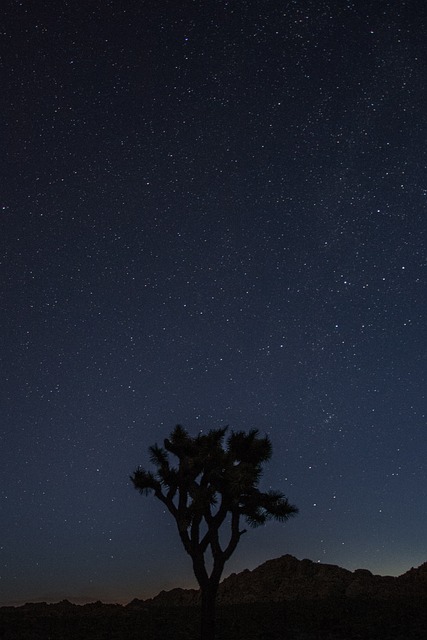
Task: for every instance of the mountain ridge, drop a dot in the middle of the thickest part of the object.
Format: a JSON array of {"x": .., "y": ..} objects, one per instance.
[
  {"x": 283, "y": 598},
  {"x": 279, "y": 579},
  {"x": 287, "y": 578}
]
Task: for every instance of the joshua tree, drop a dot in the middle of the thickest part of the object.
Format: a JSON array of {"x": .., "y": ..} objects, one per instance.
[{"x": 213, "y": 484}]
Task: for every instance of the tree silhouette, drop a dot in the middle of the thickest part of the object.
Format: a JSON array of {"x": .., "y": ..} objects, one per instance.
[{"x": 213, "y": 484}]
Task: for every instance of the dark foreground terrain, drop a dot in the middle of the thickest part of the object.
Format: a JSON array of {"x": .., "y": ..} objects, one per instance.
[
  {"x": 282, "y": 599},
  {"x": 302, "y": 620}
]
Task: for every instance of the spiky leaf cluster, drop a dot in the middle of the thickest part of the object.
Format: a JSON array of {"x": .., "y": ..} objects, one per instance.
[{"x": 213, "y": 477}]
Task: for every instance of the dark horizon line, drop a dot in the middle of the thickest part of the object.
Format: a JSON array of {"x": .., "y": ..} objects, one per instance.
[{"x": 81, "y": 601}]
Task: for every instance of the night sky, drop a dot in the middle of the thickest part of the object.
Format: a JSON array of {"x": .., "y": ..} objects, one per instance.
[{"x": 213, "y": 212}]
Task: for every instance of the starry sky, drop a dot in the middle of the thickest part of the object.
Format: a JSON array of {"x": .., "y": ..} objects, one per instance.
[{"x": 212, "y": 213}]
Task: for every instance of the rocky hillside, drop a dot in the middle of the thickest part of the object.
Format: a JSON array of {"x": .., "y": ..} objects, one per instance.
[
  {"x": 286, "y": 579},
  {"x": 283, "y": 599}
]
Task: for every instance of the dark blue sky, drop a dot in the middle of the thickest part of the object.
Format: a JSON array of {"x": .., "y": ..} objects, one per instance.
[{"x": 212, "y": 213}]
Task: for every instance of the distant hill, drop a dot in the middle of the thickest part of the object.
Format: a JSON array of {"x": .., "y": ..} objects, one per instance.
[
  {"x": 279, "y": 580},
  {"x": 287, "y": 578},
  {"x": 282, "y": 599}
]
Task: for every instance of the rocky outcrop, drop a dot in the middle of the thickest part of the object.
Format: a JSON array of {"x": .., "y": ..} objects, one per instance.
[
  {"x": 290, "y": 579},
  {"x": 176, "y": 598},
  {"x": 287, "y": 578},
  {"x": 414, "y": 581}
]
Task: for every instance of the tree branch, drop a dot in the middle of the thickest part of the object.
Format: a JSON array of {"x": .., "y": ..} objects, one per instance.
[{"x": 235, "y": 534}]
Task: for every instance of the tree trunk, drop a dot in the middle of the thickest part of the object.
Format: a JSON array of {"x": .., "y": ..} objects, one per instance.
[{"x": 207, "y": 626}]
